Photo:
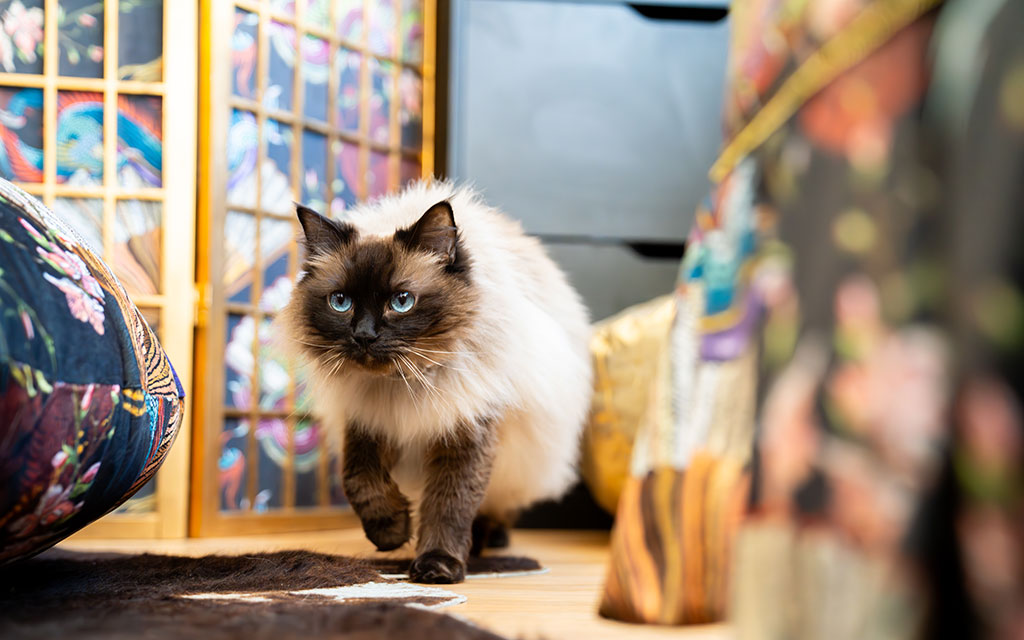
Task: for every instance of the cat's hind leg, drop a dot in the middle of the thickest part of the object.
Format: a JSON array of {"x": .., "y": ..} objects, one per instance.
[{"x": 490, "y": 532}]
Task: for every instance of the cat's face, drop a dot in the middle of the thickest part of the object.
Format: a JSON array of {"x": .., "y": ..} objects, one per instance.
[{"x": 390, "y": 305}]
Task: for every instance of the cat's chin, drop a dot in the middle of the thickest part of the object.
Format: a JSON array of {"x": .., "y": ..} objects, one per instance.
[{"x": 376, "y": 367}]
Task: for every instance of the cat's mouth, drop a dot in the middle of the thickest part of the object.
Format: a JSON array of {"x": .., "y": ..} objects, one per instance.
[{"x": 376, "y": 363}]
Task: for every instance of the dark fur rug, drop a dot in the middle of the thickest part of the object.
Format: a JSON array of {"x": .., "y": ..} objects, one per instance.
[{"x": 78, "y": 595}]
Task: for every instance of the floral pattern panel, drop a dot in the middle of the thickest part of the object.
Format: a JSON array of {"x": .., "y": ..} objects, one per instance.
[
  {"x": 278, "y": 94},
  {"x": 410, "y": 108},
  {"x": 381, "y": 88},
  {"x": 85, "y": 215},
  {"x": 21, "y": 134},
  {"x": 314, "y": 160},
  {"x": 316, "y": 53},
  {"x": 239, "y": 256},
  {"x": 139, "y": 141},
  {"x": 346, "y": 176},
  {"x": 231, "y": 465},
  {"x": 137, "y": 245},
  {"x": 140, "y": 42},
  {"x": 412, "y": 31},
  {"x": 80, "y": 138},
  {"x": 21, "y": 36},
  {"x": 244, "y": 43},
  {"x": 348, "y": 65},
  {"x": 80, "y": 38},
  {"x": 350, "y": 20}
]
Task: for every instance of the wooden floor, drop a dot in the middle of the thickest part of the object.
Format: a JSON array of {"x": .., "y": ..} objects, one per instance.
[{"x": 558, "y": 605}]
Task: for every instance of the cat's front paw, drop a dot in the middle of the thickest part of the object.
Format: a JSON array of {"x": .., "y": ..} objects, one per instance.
[
  {"x": 390, "y": 532},
  {"x": 437, "y": 567}
]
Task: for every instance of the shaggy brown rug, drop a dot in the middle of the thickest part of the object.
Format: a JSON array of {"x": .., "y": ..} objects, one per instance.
[{"x": 288, "y": 594}]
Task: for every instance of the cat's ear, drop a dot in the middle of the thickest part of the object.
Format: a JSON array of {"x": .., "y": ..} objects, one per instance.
[
  {"x": 322, "y": 234},
  {"x": 435, "y": 231}
]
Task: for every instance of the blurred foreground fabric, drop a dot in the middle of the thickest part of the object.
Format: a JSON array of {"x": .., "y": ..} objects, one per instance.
[
  {"x": 854, "y": 296},
  {"x": 89, "y": 402}
]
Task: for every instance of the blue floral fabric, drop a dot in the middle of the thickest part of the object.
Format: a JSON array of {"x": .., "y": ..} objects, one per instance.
[{"x": 89, "y": 403}]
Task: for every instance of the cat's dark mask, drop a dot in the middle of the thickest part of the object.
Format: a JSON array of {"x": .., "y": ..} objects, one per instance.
[{"x": 385, "y": 304}]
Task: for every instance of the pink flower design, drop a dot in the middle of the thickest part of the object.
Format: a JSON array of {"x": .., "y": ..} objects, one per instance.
[
  {"x": 90, "y": 474},
  {"x": 25, "y": 27},
  {"x": 63, "y": 261},
  {"x": 59, "y": 458},
  {"x": 82, "y": 306},
  {"x": 75, "y": 268},
  {"x": 38, "y": 237},
  {"x": 6, "y": 52},
  {"x": 96, "y": 53},
  {"x": 26, "y": 322},
  {"x": 87, "y": 20}
]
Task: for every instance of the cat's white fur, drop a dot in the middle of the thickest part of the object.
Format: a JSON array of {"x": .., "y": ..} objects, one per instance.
[{"x": 524, "y": 359}]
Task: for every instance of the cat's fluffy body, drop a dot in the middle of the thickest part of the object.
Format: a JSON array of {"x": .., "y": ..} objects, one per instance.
[{"x": 520, "y": 359}]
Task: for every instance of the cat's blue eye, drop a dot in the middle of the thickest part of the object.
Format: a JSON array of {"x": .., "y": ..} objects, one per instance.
[
  {"x": 402, "y": 301},
  {"x": 340, "y": 302}
]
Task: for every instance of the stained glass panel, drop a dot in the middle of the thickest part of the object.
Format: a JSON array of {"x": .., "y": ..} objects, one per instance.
[
  {"x": 315, "y": 70},
  {"x": 382, "y": 27},
  {"x": 350, "y": 20},
  {"x": 243, "y": 54},
  {"x": 239, "y": 256},
  {"x": 274, "y": 377},
  {"x": 152, "y": 317},
  {"x": 347, "y": 64},
  {"x": 412, "y": 31},
  {"x": 21, "y": 36},
  {"x": 243, "y": 138},
  {"x": 272, "y": 436},
  {"x": 80, "y": 138},
  {"x": 278, "y": 94},
  {"x": 277, "y": 196},
  {"x": 381, "y": 85},
  {"x": 410, "y": 108},
  {"x": 336, "y": 494},
  {"x": 85, "y": 215},
  {"x": 276, "y": 240},
  {"x": 231, "y": 465},
  {"x": 314, "y": 180},
  {"x": 346, "y": 176},
  {"x": 307, "y": 460},
  {"x": 21, "y": 134},
  {"x": 139, "y": 141},
  {"x": 144, "y": 500},
  {"x": 377, "y": 177},
  {"x": 136, "y": 251},
  {"x": 238, "y": 361},
  {"x": 284, "y": 6},
  {"x": 408, "y": 170},
  {"x": 80, "y": 38},
  {"x": 318, "y": 14},
  {"x": 140, "y": 42}
]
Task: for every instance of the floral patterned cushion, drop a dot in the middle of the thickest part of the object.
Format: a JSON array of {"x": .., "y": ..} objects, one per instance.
[{"x": 89, "y": 403}]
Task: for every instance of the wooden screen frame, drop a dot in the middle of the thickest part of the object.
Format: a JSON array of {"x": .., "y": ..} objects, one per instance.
[
  {"x": 216, "y": 103},
  {"x": 177, "y": 89}
]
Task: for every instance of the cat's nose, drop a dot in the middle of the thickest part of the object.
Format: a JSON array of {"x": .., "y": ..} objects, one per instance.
[
  {"x": 364, "y": 339},
  {"x": 365, "y": 333}
]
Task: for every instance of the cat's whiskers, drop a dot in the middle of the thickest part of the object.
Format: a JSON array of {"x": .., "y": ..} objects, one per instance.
[
  {"x": 443, "y": 365},
  {"x": 432, "y": 391},
  {"x": 421, "y": 380}
]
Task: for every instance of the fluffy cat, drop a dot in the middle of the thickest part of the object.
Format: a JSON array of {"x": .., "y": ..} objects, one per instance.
[{"x": 450, "y": 352}]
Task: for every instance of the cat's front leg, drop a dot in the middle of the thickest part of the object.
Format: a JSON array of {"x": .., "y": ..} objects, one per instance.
[
  {"x": 458, "y": 469},
  {"x": 374, "y": 496}
]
